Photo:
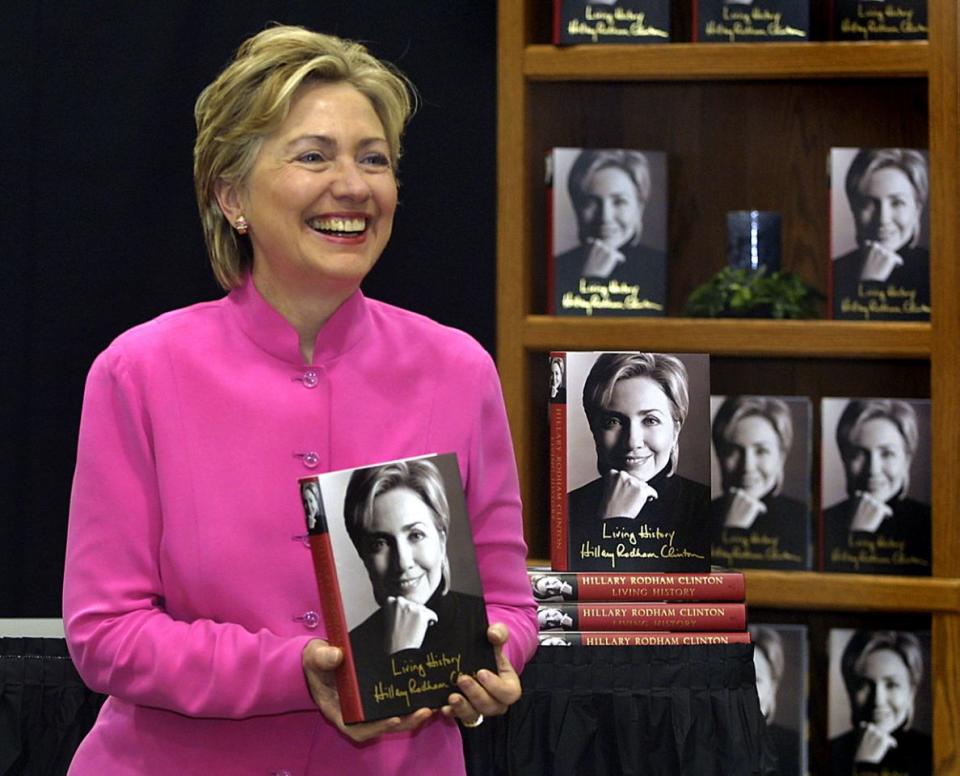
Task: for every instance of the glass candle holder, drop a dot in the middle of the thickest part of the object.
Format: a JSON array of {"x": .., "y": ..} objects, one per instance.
[{"x": 753, "y": 239}]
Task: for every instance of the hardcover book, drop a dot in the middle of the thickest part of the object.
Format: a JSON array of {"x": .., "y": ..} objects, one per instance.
[
  {"x": 879, "y": 234},
  {"x": 582, "y": 586},
  {"x": 879, "y": 19},
  {"x": 397, "y": 576},
  {"x": 607, "y": 213},
  {"x": 623, "y": 616},
  {"x": 640, "y": 638},
  {"x": 875, "y": 486},
  {"x": 611, "y": 21},
  {"x": 760, "y": 482},
  {"x": 629, "y": 462},
  {"x": 879, "y": 718},
  {"x": 751, "y": 21},
  {"x": 780, "y": 657}
]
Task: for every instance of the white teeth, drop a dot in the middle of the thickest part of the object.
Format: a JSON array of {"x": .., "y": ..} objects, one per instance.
[{"x": 338, "y": 224}]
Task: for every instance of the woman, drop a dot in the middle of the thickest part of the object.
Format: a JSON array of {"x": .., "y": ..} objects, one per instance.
[
  {"x": 636, "y": 405},
  {"x": 310, "y": 496},
  {"x": 609, "y": 191},
  {"x": 878, "y": 528},
  {"x": 752, "y": 523},
  {"x": 768, "y": 661},
  {"x": 398, "y": 518},
  {"x": 881, "y": 671},
  {"x": 887, "y": 191},
  {"x": 185, "y": 599},
  {"x": 548, "y": 587},
  {"x": 558, "y": 387}
]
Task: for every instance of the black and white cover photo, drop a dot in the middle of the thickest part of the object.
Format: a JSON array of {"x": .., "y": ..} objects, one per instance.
[
  {"x": 609, "y": 231},
  {"x": 760, "y": 481},
  {"x": 637, "y": 461},
  {"x": 410, "y": 592},
  {"x": 880, "y": 234},
  {"x": 875, "y": 486},
  {"x": 880, "y": 709}
]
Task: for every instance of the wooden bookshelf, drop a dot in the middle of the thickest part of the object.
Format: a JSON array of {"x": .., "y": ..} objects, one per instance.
[{"x": 751, "y": 125}]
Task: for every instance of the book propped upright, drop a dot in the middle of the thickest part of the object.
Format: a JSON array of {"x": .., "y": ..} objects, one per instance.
[
  {"x": 751, "y": 21},
  {"x": 879, "y": 234},
  {"x": 879, "y": 20},
  {"x": 629, "y": 462},
  {"x": 607, "y": 232},
  {"x": 611, "y": 21},
  {"x": 397, "y": 576}
]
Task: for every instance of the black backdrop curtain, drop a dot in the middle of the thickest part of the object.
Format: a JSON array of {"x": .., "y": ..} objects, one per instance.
[{"x": 99, "y": 225}]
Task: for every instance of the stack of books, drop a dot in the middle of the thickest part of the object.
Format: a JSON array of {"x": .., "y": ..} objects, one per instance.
[{"x": 639, "y": 609}]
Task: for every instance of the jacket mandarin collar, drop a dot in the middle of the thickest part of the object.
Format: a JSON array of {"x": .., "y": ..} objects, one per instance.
[{"x": 271, "y": 332}]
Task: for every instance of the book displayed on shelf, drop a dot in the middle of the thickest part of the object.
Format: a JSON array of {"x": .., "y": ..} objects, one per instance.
[
  {"x": 406, "y": 633},
  {"x": 760, "y": 481},
  {"x": 611, "y": 21},
  {"x": 878, "y": 20},
  {"x": 879, "y": 234},
  {"x": 607, "y": 235},
  {"x": 750, "y": 21},
  {"x": 879, "y": 719},
  {"x": 629, "y": 462},
  {"x": 875, "y": 486},
  {"x": 781, "y": 660},
  {"x": 624, "y": 616},
  {"x": 640, "y": 638},
  {"x": 582, "y": 586}
]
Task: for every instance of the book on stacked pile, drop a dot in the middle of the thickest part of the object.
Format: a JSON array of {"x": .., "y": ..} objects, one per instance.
[{"x": 639, "y": 609}]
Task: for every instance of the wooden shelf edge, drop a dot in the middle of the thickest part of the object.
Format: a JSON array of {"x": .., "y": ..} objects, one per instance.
[
  {"x": 855, "y": 592},
  {"x": 820, "y": 339},
  {"x": 905, "y": 59}
]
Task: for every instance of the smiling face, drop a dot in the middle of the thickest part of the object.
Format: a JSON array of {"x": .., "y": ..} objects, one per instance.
[
  {"x": 321, "y": 195},
  {"x": 888, "y": 212},
  {"x": 610, "y": 210},
  {"x": 403, "y": 550},
  {"x": 883, "y": 693},
  {"x": 752, "y": 458},
  {"x": 878, "y": 462},
  {"x": 635, "y": 431},
  {"x": 311, "y": 501}
]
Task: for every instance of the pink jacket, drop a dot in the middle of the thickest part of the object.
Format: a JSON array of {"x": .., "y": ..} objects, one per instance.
[{"x": 188, "y": 595}]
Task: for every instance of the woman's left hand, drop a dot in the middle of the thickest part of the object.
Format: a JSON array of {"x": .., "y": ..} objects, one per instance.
[{"x": 489, "y": 694}]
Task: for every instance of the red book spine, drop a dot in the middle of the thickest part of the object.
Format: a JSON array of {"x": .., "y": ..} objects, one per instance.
[
  {"x": 559, "y": 551},
  {"x": 727, "y": 586},
  {"x": 557, "y": 13},
  {"x": 338, "y": 634},
  {"x": 684, "y": 616},
  {"x": 642, "y": 638},
  {"x": 695, "y": 26}
]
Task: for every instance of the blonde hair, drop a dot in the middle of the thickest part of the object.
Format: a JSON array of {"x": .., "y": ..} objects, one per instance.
[{"x": 252, "y": 97}]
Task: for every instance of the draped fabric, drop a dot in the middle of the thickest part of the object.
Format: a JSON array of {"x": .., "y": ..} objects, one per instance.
[
  {"x": 624, "y": 711},
  {"x": 45, "y": 709}
]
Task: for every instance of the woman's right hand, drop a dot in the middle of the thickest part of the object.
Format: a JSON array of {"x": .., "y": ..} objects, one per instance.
[
  {"x": 869, "y": 512},
  {"x": 625, "y": 495},
  {"x": 319, "y": 661},
  {"x": 601, "y": 259},
  {"x": 879, "y": 262},
  {"x": 406, "y": 623},
  {"x": 874, "y": 744},
  {"x": 742, "y": 509}
]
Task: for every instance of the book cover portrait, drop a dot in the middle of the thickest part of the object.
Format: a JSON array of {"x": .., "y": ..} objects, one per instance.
[
  {"x": 875, "y": 486},
  {"x": 760, "y": 482},
  {"x": 879, "y": 717},
  {"x": 780, "y": 657},
  {"x": 609, "y": 231},
  {"x": 397, "y": 575},
  {"x": 879, "y": 234},
  {"x": 630, "y": 466}
]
